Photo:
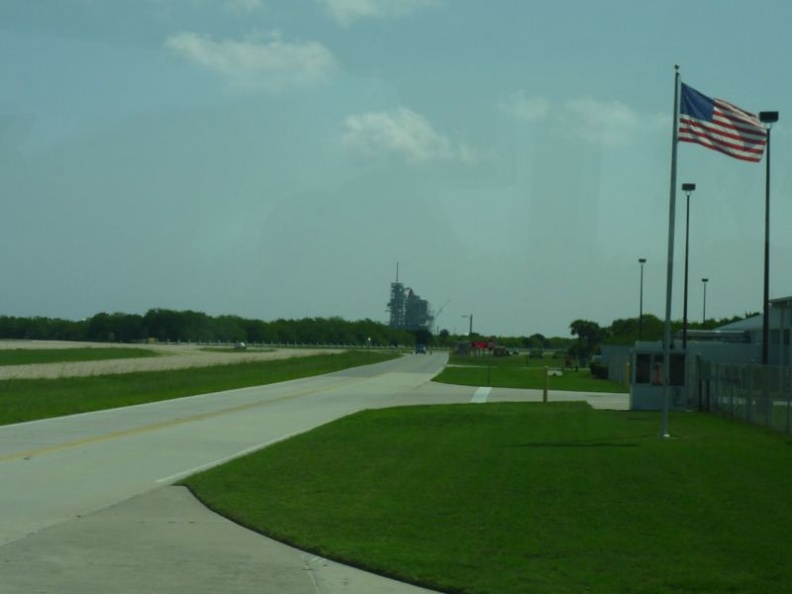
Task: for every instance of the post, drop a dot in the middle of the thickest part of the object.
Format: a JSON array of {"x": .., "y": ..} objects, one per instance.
[
  {"x": 546, "y": 382},
  {"x": 766, "y": 299},
  {"x": 641, "y": 261},
  {"x": 704, "y": 312},
  {"x": 627, "y": 378},
  {"x": 687, "y": 188},
  {"x": 470, "y": 327},
  {"x": 767, "y": 117},
  {"x": 670, "y": 267}
]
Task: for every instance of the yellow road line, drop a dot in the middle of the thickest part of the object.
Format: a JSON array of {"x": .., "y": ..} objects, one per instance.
[{"x": 27, "y": 454}]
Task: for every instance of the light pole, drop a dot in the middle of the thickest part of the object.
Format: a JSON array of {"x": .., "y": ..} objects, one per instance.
[
  {"x": 768, "y": 118},
  {"x": 470, "y": 317},
  {"x": 641, "y": 261},
  {"x": 704, "y": 281},
  {"x": 687, "y": 188}
]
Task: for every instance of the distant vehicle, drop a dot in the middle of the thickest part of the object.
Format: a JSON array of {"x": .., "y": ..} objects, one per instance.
[{"x": 420, "y": 349}]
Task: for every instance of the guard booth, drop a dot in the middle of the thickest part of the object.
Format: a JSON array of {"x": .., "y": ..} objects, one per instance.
[{"x": 647, "y": 391}]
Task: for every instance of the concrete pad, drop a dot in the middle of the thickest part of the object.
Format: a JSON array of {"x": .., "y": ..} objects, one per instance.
[{"x": 165, "y": 541}]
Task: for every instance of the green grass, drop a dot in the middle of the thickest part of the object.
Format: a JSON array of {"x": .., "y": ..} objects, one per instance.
[
  {"x": 32, "y": 399},
  {"x": 70, "y": 355},
  {"x": 511, "y": 498},
  {"x": 521, "y": 372},
  {"x": 247, "y": 349}
]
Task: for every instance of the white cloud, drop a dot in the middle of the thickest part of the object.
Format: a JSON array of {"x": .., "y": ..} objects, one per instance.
[
  {"x": 520, "y": 107},
  {"x": 402, "y": 132},
  {"x": 271, "y": 64},
  {"x": 607, "y": 123},
  {"x": 347, "y": 12}
]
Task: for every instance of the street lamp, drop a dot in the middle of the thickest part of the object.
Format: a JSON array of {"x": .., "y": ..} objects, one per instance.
[
  {"x": 641, "y": 261},
  {"x": 688, "y": 189},
  {"x": 470, "y": 331},
  {"x": 768, "y": 118},
  {"x": 704, "y": 313}
]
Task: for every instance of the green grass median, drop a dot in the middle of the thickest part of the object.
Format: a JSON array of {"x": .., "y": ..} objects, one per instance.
[
  {"x": 523, "y": 372},
  {"x": 32, "y": 399},
  {"x": 508, "y": 498},
  {"x": 71, "y": 355}
]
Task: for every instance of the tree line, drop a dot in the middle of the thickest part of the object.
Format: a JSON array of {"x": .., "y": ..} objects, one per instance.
[
  {"x": 166, "y": 325},
  {"x": 625, "y": 331}
]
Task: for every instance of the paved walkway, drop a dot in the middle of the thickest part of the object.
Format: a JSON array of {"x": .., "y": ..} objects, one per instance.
[{"x": 164, "y": 541}]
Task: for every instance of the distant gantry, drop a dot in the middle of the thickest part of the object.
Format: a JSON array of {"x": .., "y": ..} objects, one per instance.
[{"x": 407, "y": 310}]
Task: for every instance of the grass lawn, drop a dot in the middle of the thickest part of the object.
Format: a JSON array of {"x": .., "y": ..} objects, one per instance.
[
  {"x": 31, "y": 399},
  {"x": 247, "y": 349},
  {"x": 32, "y": 356},
  {"x": 522, "y": 372},
  {"x": 508, "y": 498}
]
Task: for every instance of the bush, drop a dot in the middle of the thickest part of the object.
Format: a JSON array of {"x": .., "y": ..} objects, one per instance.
[{"x": 598, "y": 370}]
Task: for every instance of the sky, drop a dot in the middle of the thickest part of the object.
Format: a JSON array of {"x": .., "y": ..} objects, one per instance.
[{"x": 279, "y": 159}]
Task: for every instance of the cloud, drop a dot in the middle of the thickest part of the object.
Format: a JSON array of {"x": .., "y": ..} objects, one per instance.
[
  {"x": 347, "y": 12},
  {"x": 604, "y": 123},
  {"x": 401, "y": 132},
  {"x": 607, "y": 123},
  {"x": 520, "y": 107},
  {"x": 253, "y": 64}
]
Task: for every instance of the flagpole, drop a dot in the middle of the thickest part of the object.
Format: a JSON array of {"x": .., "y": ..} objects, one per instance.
[
  {"x": 670, "y": 271},
  {"x": 768, "y": 118}
]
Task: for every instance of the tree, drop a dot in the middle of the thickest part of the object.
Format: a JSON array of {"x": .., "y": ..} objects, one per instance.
[
  {"x": 536, "y": 341},
  {"x": 422, "y": 336},
  {"x": 590, "y": 336},
  {"x": 625, "y": 330}
]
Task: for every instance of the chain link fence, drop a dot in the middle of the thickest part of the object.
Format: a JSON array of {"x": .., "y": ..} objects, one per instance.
[{"x": 754, "y": 393}]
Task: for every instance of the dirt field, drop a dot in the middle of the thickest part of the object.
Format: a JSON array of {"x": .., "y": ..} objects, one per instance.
[{"x": 170, "y": 357}]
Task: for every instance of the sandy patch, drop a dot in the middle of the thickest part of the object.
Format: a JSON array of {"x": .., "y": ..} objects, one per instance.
[{"x": 180, "y": 356}]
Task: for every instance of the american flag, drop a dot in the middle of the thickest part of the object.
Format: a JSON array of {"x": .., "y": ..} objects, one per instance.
[{"x": 720, "y": 126}]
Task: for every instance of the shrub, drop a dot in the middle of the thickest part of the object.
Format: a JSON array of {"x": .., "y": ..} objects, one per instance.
[{"x": 598, "y": 370}]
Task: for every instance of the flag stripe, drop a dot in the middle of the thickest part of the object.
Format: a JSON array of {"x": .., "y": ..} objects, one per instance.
[
  {"x": 722, "y": 149},
  {"x": 747, "y": 131},
  {"x": 721, "y": 126},
  {"x": 729, "y": 138},
  {"x": 727, "y": 132}
]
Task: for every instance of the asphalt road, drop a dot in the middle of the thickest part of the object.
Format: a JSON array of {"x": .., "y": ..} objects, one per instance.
[{"x": 87, "y": 502}]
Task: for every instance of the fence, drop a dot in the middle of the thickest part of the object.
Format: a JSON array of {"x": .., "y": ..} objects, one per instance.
[{"x": 757, "y": 394}]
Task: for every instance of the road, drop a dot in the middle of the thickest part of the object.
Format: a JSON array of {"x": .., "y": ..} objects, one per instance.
[
  {"x": 87, "y": 502},
  {"x": 63, "y": 480}
]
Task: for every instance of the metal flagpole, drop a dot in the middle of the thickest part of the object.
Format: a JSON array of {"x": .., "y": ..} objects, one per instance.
[
  {"x": 767, "y": 118},
  {"x": 670, "y": 272}
]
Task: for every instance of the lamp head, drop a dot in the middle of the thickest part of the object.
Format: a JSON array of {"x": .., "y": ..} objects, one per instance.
[
  {"x": 688, "y": 187},
  {"x": 768, "y": 117}
]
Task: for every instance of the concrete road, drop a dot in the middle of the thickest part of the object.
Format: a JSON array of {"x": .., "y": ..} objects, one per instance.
[{"x": 87, "y": 503}]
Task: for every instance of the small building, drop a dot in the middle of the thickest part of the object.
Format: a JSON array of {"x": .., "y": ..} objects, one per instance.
[
  {"x": 738, "y": 343},
  {"x": 780, "y": 324}
]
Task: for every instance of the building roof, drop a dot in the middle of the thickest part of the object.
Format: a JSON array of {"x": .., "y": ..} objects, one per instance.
[
  {"x": 755, "y": 323},
  {"x": 752, "y": 323}
]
